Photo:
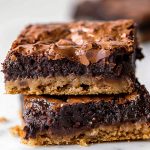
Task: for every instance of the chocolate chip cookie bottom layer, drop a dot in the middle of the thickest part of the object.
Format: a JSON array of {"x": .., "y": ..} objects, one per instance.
[
  {"x": 86, "y": 119},
  {"x": 73, "y": 58}
]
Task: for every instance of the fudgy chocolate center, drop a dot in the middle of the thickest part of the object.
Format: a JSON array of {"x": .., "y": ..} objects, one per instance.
[{"x": 34, "y": 67}]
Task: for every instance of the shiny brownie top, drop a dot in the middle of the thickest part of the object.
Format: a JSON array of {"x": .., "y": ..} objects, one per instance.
[{"x": 84, "y": 41}]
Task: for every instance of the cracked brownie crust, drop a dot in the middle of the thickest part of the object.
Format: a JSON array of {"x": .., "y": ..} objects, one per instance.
[
  {"x": 68, "y": 116},
  {"x": 105, "y": 50}
]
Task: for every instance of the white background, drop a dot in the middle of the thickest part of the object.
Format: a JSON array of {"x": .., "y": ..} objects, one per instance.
[{"x": 14, "y": 15}]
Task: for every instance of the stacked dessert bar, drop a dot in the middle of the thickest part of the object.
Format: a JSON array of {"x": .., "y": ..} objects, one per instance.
[
  {"x": 139, "y": 10},
  {"x": 78, "y": 81}
]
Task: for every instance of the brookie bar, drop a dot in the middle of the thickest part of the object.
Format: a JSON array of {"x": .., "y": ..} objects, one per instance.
[
  {"x": 117, "y": 9},
  {"x": 86, "y": 119},
  {"x": 73, "y": 58}
]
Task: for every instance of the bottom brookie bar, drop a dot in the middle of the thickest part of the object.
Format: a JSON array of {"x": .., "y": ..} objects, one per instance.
[{"x": 86, "y": 119}]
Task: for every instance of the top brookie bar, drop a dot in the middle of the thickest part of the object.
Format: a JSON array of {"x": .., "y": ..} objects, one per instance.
[
  {"x": 73, "y": 58},
  {"x": 117, "y": 9}
]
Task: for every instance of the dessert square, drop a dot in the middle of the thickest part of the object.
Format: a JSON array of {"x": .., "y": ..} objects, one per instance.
[
  {"x": 73, "y": 58},
  {"x": 86, "y": 119},
  {"x": 128, "y": 9}
]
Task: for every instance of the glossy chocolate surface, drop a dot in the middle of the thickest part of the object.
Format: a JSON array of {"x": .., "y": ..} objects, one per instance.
[{"x": 83, "y": 41}]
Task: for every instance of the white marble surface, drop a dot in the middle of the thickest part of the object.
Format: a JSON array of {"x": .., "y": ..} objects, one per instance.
[{"x": 14, "y": 15}]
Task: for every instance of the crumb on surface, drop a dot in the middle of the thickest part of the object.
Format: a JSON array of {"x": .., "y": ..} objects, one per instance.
[
  {"x": 3, "y": 120},
  {"x": 15, "y": 130}
]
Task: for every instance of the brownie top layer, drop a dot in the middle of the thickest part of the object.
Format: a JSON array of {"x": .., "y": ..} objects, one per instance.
[
  {"x": 120, "y": 9},
  {"x": 66, "y": 115},
  {"x": 84, "y": 41}
]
